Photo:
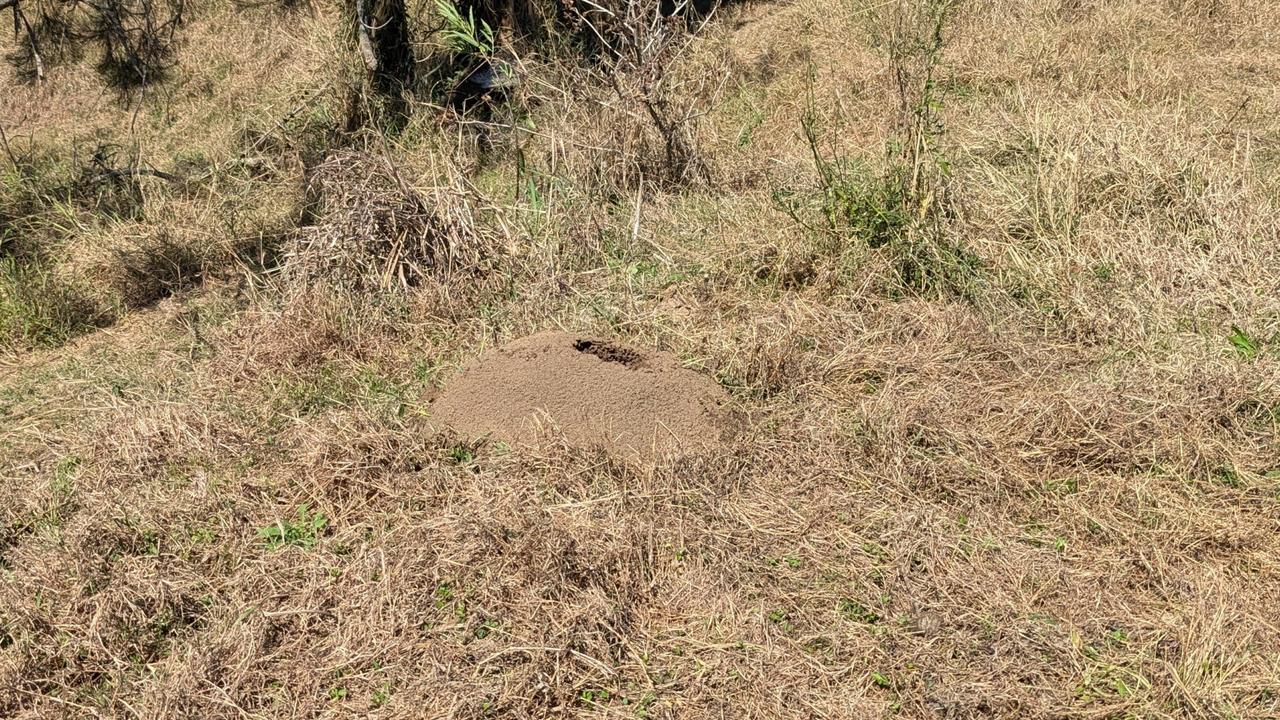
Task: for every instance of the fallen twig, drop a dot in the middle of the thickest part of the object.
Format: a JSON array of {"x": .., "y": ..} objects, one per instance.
[{"x": 134, "y": 172}]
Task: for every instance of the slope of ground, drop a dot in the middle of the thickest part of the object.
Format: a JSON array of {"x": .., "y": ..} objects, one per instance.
[{"x": 1014, "y": 454}]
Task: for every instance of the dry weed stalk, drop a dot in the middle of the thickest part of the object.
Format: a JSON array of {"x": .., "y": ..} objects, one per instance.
[
  {"x": 915, "y": 53},
  {"x": 644, "y": 133}
]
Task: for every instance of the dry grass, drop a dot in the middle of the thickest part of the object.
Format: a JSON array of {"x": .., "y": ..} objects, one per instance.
[
  {"x": 372, "y": 233},
  {"x": 1055, "y": 494}
]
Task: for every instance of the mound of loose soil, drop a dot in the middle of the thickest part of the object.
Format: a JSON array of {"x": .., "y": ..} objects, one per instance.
[{"x": 634, "y": 403}]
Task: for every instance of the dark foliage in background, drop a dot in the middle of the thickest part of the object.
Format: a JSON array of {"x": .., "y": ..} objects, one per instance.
[{"x": 134, "y": 39}]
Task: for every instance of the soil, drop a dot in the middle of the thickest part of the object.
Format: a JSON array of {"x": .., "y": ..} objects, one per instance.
[{"x": 636, "y": 404}]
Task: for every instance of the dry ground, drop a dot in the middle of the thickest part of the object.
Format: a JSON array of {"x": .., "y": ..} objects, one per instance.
[{"x": 1044, "y": 485}]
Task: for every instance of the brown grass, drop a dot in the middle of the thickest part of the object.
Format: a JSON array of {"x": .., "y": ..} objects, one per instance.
[
  {"x": 370, "y": 232},
  {"x": 1054, "y": 494}
]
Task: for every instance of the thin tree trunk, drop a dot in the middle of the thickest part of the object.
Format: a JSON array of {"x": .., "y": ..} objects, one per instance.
[{"x": 382, "y": 30}]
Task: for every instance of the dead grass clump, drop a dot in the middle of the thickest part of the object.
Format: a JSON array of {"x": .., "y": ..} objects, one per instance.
[
  {"x": 134, "y": 620},
  {"x": 303, "y": 336},
  {"x": 155, "y": 267},
  {"x": 775, "y": 354},
  {"x": 370, "y": 232},
  {"x": 1076, "y": 206},
  {"x": 133, "y": 265},
  {"x": 63, "y": 265},
  {"x": 27, "y": 186},
  {"x": 44, "y": 197}
]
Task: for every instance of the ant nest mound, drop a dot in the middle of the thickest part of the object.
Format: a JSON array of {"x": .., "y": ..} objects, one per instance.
[{"x": 635, "y": 404}]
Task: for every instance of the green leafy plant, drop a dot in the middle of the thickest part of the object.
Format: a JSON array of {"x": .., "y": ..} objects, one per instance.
[
  {"x": 461, "y": 455},
  {"x": 899, "y": 209},
  {"x": 782, "y": 620},
  {"x": 855, "y": 202},
  {"x": 875, "y": 550},
  {"x": 304, "y": 532},
  {"x": 1105, "y": 682},
  {"x": 486, "y": 628},
  {"x": 464, "y": 34},
  {"x": 1228, "y": 476},
  {"x": 1245, "y": 344},
  {"x": 640, "y": 708},
  {"x": 858, "y": 612}
]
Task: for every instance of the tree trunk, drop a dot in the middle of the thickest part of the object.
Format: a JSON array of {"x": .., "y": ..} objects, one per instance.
[{"x": 382, "y": 29}]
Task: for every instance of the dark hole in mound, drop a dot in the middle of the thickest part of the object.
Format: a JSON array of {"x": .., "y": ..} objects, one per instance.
[{"x": 609, "y": 352}]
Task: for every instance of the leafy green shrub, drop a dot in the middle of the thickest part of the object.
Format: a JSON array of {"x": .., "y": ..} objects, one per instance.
[
  {"x": 464, "y": 34},
  {"x": 902, "y": 211},
  {"x": 857, "y": 203}
]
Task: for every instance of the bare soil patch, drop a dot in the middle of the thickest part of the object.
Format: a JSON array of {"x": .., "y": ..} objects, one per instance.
[{"x": 634, "y": 403}]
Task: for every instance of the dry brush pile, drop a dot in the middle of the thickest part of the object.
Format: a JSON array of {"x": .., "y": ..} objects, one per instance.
[{"x": 369, "y": 232}]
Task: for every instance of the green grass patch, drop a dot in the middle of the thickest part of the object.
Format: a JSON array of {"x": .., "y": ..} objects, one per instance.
[
  {"x": 38, "y": 310},
  {"x": 303, "y": 531}
]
